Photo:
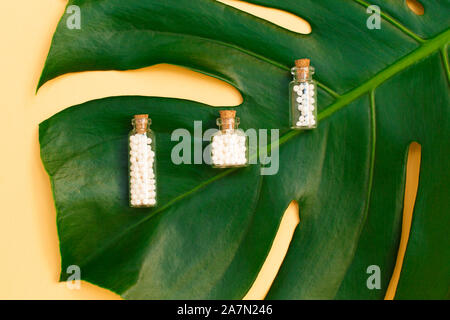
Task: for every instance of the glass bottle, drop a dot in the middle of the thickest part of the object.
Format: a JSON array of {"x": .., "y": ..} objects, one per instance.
[
  {"x": 229, "y": 146},
  {"x": 141, "y": 165},
  {"x": 303, "y": 96}
]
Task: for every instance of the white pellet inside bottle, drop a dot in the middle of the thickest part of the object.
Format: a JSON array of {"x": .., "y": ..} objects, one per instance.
[
  {"x": 306, "y": 104},
  {"x": 229, "y": 145},
  {"x": 142, "y": 164},
  {"x": 303, "y": 96}
]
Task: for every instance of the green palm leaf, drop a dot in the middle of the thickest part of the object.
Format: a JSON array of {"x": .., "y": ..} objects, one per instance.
[{"x": 379, "y": 90}]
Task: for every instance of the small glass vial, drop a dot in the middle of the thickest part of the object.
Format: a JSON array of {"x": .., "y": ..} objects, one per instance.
[
  {"x": 303, "y": 96},
  {"x": 142, "y": 173},
  {"x": 229, "y": 147}
]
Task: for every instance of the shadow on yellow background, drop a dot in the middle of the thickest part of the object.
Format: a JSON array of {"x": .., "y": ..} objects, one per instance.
[{"x": 30, "y": 260}]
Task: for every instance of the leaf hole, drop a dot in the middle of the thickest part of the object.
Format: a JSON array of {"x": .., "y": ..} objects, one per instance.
[
  {"x": 161, "y": 80},
  {"x": 411, "y": 186},
  {"x": 279, "y": 17},
  {"x": 276, "y": 255},
  {"x": 416, "y": 7}
]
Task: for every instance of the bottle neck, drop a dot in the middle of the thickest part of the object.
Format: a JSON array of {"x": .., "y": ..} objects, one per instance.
[
  {"x": 140, "y": 125},
  {"x": 302, "y": 74},
  {"x": 228, "y": 125}
]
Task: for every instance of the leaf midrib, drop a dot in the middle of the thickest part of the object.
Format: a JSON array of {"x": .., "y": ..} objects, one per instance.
[{"x": 428, "y": 47}]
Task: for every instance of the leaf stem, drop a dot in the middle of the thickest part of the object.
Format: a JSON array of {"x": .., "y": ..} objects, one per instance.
[{"x": 420, "y": 53}]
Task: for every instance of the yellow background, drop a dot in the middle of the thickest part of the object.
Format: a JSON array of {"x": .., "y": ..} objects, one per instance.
[{"x": 30, "y": 260}]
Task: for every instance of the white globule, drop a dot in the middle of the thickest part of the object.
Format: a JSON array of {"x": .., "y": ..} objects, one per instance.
[
  {"x": 306, "y": 104},
  {"x": 229, "y": 149},
  {"x": 142, "y": 176}
]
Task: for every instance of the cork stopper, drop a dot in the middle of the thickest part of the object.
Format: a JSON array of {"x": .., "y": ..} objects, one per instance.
[
  {"x": 302, "y": 63},
  {"x": 303, "y": 68},
  {"x": 141, "y": 122},
  {"x": 227, "y": 114},
  {"x": 228, "y": 119}
]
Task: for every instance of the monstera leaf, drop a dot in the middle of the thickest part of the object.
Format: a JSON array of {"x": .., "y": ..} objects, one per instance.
[{"x": 379, "y": 90}]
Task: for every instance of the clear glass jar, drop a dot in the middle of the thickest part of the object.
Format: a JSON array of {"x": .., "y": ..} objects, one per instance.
[
  {"x": 229, "y": 145},
  {"x": 141, "y": 164},
  {"x": 303, "y": 98}
]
